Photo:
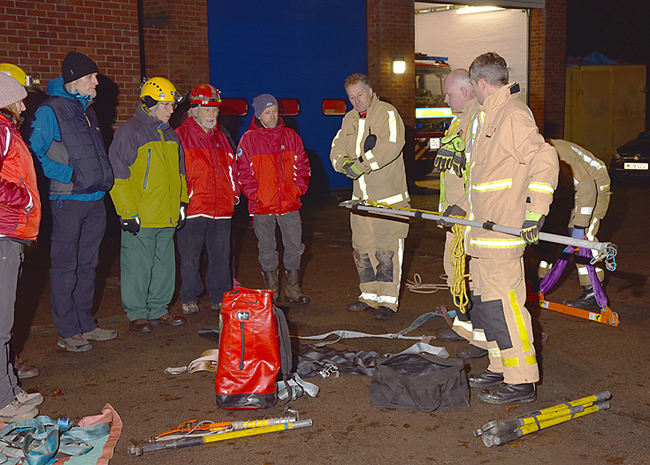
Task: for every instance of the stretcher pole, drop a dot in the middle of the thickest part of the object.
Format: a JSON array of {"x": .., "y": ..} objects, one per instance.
[
  {"x": 197, "y": 441},
  {"x": 605, "y": 248},
  {"x": 509, "y": 436}
]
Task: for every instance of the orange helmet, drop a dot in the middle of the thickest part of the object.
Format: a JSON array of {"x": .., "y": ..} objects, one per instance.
[{"x": 205, "y": 94}]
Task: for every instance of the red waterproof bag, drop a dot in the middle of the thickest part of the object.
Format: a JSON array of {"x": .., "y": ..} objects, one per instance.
[{"x": 249, "y": 351}]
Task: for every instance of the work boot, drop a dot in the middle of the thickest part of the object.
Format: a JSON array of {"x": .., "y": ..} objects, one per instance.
[
  {"x": 272, "y": 281},
  {"x": 449, "y": 335},
  {"x": 485, "y": 380},
  {"x": 293, "y": 291},
  {"x": 358, "y": 306},
  {"x": 471, "y": 352},
  {"x": 587, "y": 301},
  {"x": 509, "y": 394}
]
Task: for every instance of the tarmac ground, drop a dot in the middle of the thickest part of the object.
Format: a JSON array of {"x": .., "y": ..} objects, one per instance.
[{"x": 580, "y": 358}]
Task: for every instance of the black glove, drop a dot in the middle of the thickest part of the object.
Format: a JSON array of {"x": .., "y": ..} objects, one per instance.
[
  {"x": 131, "y": 225},
  {"x": 451, "y": 210},
  {"x": 182, "y": 216}
]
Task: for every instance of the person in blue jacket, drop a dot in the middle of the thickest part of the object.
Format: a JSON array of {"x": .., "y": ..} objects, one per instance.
[{"x": 68, "y": 143}]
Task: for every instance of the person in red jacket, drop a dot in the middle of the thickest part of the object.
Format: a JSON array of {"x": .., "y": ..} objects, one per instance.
[
  {"x": 273, "y": 172},
  {"x": 20, "y": 217},
  {"x": 209, "y": 170}
]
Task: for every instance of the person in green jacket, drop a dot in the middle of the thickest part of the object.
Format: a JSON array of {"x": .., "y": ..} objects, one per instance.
[{"x": 150, "y": 196}]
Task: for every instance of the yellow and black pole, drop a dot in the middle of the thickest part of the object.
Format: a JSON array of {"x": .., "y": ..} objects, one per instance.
[
  {"x": 497, "y": 433},
  {"x": 197, "y": 441}
]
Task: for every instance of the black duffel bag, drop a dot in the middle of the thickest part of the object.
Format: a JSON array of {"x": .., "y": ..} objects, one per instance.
[{"x": 419, "y": 381}]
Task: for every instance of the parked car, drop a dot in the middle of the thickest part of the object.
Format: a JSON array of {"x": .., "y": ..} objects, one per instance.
[{"x": 632, "y": 159}]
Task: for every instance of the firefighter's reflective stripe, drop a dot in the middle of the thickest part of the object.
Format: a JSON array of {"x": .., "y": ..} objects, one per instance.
[
  {"x": 586, "y": 210},
  {"x": 519, "y": 321},
  {"x": 387, "y": 299},
  {"x": 494, "y": 352},
  {"x": 497, "y": 243},
  {"x": 369, "y": 156},
  {"x": 542, "y": 187},
  {"x": 466, "y": 325},
  {"x": 479, "y": 335},
  {"x": 333, "y": 143},
  {"x": 392, "y": 127},
  {"x": 369, "y": 296},
  {"x": 514, "y": 362},
  {"x": 493, "y": 185},
  {"x": 582, "y": 270},
  {"x": 393, "y": 199},
  {"x": 359, "y": 145},
  {"x": 604, "y": 188},
  {"x": 595, "y": 163}
]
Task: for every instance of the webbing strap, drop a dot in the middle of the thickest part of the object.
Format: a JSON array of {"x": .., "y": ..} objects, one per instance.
[{"x": 345, "y": 334}]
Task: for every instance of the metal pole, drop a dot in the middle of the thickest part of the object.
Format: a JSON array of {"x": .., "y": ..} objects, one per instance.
[{"x": 603, "y": 247}]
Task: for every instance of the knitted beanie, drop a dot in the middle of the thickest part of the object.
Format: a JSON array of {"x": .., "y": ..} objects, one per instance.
[
  {"x": 10, "y": 91},
  {"x": 262, "y": 102},
  {"x": 77, "y": 65}
]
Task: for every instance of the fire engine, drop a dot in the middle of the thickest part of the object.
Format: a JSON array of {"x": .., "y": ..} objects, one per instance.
[{"x": 432, "y": 115}]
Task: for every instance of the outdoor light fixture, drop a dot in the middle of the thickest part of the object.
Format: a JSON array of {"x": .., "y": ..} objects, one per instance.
[
  {"x": 399, "y": 65},
  {"x": 477, "y": 9}
]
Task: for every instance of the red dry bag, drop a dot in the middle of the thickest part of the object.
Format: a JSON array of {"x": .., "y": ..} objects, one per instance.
[{"x": 249, "y": 351}]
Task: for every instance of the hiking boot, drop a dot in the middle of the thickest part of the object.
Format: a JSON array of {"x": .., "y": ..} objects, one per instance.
[
  {"x": 449, "y": 335},
  {"x": 34, "y": 399},
  {"x": 99, "y": 334},
  {"x": 16, "y": 411},
  {"x": 509, "y": 394},
  {"x": 485, "y": 380},
  {"x": 272, "y": 281},
  {"x": 586, "y": 301},
  {"x": 25, "y": 371},
  {"x": 169, "y": 320},
  {"x": 382, "y": 313},
  {"x": 293, "y": 291},
  {"x": 471, "y": 352},
  {"x": 76, "y": 343},
  {"x": 358, "y": 306},
  {"x": 191, "y": 308}
]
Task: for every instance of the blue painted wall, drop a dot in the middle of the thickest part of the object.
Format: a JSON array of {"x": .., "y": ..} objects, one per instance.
[{"x": 290, "y": 49}]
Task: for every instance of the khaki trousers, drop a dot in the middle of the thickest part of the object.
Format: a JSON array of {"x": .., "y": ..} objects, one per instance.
[
  {"x": 378, "y": 244},
  {"x": 498, "y": 297}
]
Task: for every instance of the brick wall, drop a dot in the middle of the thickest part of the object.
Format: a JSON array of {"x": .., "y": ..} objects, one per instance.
[
  {"x": 38, "y": 35},
  {"x": 176, "y": 41},
  {"x": 391, "y": 33},
  {"x": 548, "y": 67}
]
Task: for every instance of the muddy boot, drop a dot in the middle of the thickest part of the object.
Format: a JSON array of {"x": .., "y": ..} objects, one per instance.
[
  {"x": 587, "y": 301},
  {"x": 293, "y": 291},
  {"x": 272, "y": 281}
]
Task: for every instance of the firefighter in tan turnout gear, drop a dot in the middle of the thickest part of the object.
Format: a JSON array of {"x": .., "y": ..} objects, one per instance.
[
  {"x": 592, "y": 190},
  {"x": 459, "y": 95},
  {"x": 513, "y": 175},
  {"x": 368, "y": 149}
]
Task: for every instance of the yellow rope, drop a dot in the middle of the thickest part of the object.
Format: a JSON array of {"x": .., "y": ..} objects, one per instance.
[{"x": 459, "y": 279}]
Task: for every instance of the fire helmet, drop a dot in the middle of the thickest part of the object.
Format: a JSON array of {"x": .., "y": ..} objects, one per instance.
[
  {"x": 205, "y": 94},
  {"x": 160, "y": 90}
]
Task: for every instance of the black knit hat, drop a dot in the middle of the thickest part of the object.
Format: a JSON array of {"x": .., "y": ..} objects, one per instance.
[{"x": 77, "y": 65}]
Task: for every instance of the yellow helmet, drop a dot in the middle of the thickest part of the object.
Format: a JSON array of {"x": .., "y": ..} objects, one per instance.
[
  {"x": 18, "y": 74},
  {"x": 160, "y": 89}
]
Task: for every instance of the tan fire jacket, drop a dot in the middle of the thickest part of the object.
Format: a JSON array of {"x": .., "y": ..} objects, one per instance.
[
  {"x": 590, "y": 180},
  {"x": 384, "y": 178},
  {"x": 453, "y": 188},
  {"x": 512, "y": 170}
]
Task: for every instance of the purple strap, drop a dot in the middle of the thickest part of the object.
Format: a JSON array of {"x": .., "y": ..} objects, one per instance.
[
  {"x": 601, "y": 298},
  {"x": 556, "y": 271}
]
